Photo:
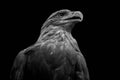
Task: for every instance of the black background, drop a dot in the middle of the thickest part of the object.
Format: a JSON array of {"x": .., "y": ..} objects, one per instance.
[{"x": 23, "y": 20}]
